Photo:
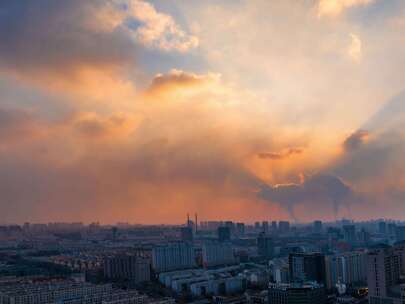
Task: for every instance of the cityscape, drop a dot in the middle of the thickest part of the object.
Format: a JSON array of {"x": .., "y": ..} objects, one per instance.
[
  {"x": 202, "y": 151},
  {"x": 203, "y": 262}
]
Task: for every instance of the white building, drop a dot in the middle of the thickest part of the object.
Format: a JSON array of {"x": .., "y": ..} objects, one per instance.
[
  {"x": 217, "y": 254},
  {"x": 173, "y": 256},
  {"x": 279, "y": 269},
  {"x": 347, "y": 268},
  {"x": 204, "y": 282}
]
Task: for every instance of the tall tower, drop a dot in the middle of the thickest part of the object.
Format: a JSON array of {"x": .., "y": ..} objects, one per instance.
[{"x": 196, "y": 223}]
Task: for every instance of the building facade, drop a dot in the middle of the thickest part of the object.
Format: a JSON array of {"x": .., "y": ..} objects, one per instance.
[
  {"x": 127, "y": 267},
  {"x": 347, "y": 268},
  {"x": 265, "y": 246},
  {"x": 309, "y": 293},
  {"x": 217, "y": 254},
  {"x": 173, "y": 256},
  {"x": 307, "y": 267},
  {"x": 383, "y": 276}
]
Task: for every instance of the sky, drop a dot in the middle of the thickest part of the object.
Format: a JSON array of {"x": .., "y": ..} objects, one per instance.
[{"x": 143, "y": 111}]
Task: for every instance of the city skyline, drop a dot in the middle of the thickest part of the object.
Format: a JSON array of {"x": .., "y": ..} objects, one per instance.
[
  {"x": 143, "y": 110},
  {"x": 202, "y": 222}
]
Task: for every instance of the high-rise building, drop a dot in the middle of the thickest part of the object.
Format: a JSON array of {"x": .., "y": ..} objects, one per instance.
[
  {"x": 279, "y": 270},
  {"x": 186, "y": 234},
  {"x": 127, "y": 267},
  {"x": 224, "y": 234},
  {"x": 400, "y": 233},
  {"x": 196, "y": 223},
  {"x": 230, "y": 225},
  {"x": 363, "y": 236},
  {"x": 317, "y": 226},
  {"x": 347, "y": 268},
  {"x": 240, "y": 229},
  {"x": 217, "y": 254},
  {"x": 265, "y": 246},
  {"x": 399, "y": 249},
  {"x": 391, "y": 229},
  {"x": 382, "y": 227},
  {"x": 173, "y": 256},
  {"x": 284, "y": 226},
  {"x": 210, "y": 225},
  {"x": 265, "y": 226},
  {"x": 349, "y": 233},
  {"x": 274, "y": 226},
  {"x": 383, "y": 274},
  {"x": 307, "y": 267},
  {"x": 297, "y": 293}
]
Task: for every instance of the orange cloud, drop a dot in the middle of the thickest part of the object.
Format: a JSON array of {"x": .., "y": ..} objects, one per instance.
[
  {"x": 159, "y": 30},
  {"x": 87, "y": 50},
  {"x": 172, "y": 156},
  {"x": 334, "y": 8},
  {"x": 177, "y": 85},
  {"x": 280, "y": 155},
  {"x": 59, "y": 49},
  {"x": 189, "y": 140}
]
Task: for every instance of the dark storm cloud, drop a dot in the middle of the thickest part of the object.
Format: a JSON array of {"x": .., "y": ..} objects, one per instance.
[
  {"x": 315, "y": 192},
  {"x": 355, "y": 140},
  {"x": 379, "y": 160}
]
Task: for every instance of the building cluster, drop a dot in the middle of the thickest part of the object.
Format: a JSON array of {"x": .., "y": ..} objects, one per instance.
[
  {"x": 69, "y": 292},
  {"x": 208, "y": 262},
  {"x": 127, "y": 267},
  {"x": 201, "y": 282}
]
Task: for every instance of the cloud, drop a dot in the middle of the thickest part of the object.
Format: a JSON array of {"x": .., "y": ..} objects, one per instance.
[
  {"x": 372, "y": 160},
  {"x": 58, "y": 38},
  {"x": 280, "y": 155},
  {"x": 91, "y": 166},
  {"x": 91, "y": 125},
  {"x": 316, "y": 191},
  {"x": 86, "y": 49},
  {"x": 150, "y": 165},
  {"x": 16, "y": 125},
  {"x": 355, "y": 48},
  {"x": 355, "y": 140},
  {"x": 224, "y": 143},
  {"x": 375, "y": 160},
  {"x": 333, "y": 8},
  {"x": 389, "y": 117},
  {"x": 197, "y": 150},
  {"x": 158, "y": 30},
  {"x": 180, "y": 79},
  {"x": 62, "y": 46}
]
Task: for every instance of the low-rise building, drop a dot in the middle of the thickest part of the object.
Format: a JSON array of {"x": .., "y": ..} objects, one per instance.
[{"x": 297, "y": 293}]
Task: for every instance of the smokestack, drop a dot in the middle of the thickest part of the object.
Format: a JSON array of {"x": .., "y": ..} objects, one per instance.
[
  {"x": 196, "y": 223},
  {"x": 188, "y": 220}
]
